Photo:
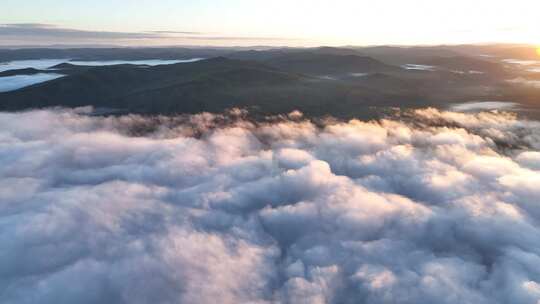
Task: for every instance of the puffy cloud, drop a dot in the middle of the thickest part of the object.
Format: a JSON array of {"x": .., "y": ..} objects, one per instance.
[{"x": 422, "y": 207}]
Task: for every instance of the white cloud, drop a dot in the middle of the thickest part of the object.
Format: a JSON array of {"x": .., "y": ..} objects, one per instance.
[{"x": 429, "y": 207}]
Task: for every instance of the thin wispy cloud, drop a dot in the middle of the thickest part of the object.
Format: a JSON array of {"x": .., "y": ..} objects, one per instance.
[
  {"x": 254, "y": 38},
  {"x": 47, "y": 30},
  {"x": 24, "y": 32},
  {"x": 176, "y": 32}
]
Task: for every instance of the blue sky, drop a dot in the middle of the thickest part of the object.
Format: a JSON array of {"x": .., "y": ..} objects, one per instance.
[{"x": 279, "y": 22}]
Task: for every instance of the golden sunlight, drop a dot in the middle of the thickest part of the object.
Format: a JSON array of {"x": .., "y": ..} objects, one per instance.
[{"x": 538, "y": 51}]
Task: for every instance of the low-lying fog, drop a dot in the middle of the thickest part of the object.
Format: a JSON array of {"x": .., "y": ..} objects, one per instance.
[
  {"x": 483, "y": 105},
  {"x": 526, "y": 82},
  {"x": 39, "y": 64},
  {"x": 529, "y": 65},
  {"x": 420, "y": 67},
  {"x": 151, "y": 62},
  {"x": 9, "y": 83},
  {"x": 48, "y": 63},
  {"x": 424, "y": 206}
]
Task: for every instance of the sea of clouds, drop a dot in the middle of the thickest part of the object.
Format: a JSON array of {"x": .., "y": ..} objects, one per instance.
[{"x": 425, "y": 206}]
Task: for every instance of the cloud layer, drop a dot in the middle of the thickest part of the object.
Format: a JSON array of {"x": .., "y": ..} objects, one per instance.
[
  {"x": 423, "y": 207},
  {"x": 32, "y": 33},
  {"x": 51, "y": 31}
]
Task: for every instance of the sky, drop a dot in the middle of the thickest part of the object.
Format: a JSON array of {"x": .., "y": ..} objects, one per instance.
[{"x": 279, "y": 22}]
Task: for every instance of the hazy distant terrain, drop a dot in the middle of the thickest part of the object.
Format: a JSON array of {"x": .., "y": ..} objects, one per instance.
[{"x": 318, "y": 81}]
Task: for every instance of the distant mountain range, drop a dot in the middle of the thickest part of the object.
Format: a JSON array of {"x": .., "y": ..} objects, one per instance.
[{"x": 318, "y": 81}]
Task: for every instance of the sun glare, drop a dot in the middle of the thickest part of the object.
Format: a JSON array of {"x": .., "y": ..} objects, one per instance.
[{"x": 538, "y": 51}]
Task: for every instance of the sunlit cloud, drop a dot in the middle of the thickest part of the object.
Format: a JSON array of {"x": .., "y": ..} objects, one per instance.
[{"x": 426, "y": 206}]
